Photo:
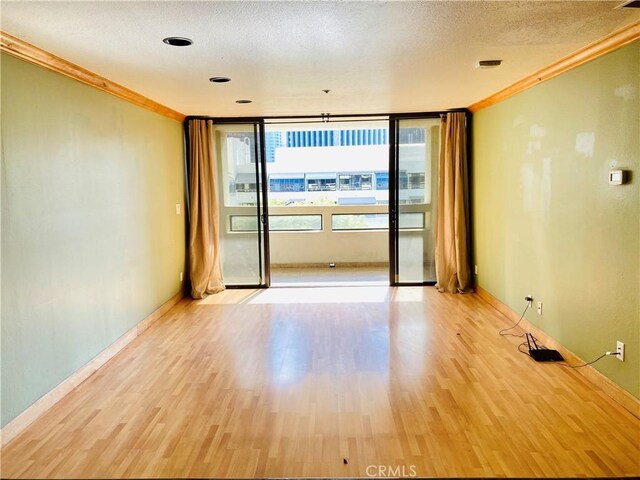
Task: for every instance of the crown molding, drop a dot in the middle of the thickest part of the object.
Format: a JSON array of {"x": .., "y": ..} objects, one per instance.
[
  {"x": 30, "y": 53},
  {"x": 611, "y": 42}
]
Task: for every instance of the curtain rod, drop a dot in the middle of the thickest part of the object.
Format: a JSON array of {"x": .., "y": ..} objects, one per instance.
[
  {"x": 434, "y": 114},
  {"x": 341, "y": 120}
]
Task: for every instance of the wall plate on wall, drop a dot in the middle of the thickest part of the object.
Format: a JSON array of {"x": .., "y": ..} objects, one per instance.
[{"x": 617, "y": 177}]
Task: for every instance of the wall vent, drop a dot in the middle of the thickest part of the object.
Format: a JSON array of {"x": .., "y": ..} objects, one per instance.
[{"x": 489, "y": 63}]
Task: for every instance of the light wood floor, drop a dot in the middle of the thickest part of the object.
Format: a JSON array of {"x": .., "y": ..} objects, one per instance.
[{"x": 288, "y": 382}]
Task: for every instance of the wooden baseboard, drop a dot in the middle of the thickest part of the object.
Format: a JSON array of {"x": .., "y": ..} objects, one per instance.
[
  {"x": 22, "y": 421},
  {"x": 620, "y": 395}
]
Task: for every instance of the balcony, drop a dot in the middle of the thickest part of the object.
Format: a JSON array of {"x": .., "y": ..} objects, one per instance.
[{"x": 305, "y": 240}]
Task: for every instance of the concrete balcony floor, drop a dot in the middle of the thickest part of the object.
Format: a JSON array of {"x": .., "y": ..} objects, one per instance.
[{"x": 323, "y": 275}]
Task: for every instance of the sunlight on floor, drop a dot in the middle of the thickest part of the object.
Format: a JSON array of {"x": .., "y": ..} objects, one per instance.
[
  {"x": 232, "y": 296},
  {"x": 317, "y": 294},
  {"x": 408, "y": 294}
]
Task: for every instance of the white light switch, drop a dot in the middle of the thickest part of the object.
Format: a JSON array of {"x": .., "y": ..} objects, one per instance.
[
  {"x": 616, "y": 177},
  {"x": 178, "y": 208}
]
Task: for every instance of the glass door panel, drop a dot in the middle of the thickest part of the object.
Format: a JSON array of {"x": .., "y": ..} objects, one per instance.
[
  {"x": 239, "y": 171},
  {"x": 415, "y": 169}
]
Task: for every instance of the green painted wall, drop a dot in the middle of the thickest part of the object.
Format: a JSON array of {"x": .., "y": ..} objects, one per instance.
[
  {"x": 546, "y": 221},
  {"x": 91, "y": 243}
]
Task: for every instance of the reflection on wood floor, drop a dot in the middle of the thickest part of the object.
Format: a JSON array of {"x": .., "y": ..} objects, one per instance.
[{"x": 288, "y": 384}]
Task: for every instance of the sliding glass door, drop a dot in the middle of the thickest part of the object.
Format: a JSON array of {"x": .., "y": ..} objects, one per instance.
[
  {"x": 414, "y": 143},
  {"x": 244, "y": 237},
  {"x": 413, "y": 167}
]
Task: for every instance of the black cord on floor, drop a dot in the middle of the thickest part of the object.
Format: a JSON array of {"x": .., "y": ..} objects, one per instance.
[
  {"x": 584, "y": 364},
  {"x": 501, "y": 332},
  {"x": 523, "y": 344}
]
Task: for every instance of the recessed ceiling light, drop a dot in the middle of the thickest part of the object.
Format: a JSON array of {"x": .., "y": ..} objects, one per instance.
[
  {"x": 219, "y": 79},
  {"x": 243, "y": 101},
  {"x": 178, "y": 41},
  {"x": 489, "y": 63}
]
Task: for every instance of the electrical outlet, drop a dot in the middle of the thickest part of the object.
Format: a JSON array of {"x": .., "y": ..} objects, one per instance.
[
  {"x": 620, "y": 350},
  {"x": 178, "y": 208},
  {"x": 181, "y": 276},
  {"x": 539, "y": 308},
  {"x": 529, "y": 299},
  {"x": 476, "y": 269}
]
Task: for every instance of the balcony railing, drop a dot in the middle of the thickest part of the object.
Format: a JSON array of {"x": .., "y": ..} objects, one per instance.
[{"x": 311, "y": 235}]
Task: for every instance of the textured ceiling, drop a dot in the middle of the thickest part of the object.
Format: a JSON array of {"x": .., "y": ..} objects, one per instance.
[{"x": 375, "y": 57}]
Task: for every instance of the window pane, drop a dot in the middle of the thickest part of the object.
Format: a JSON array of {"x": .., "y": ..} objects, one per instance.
[
  {"x": 375, "y": 221},
  {"x": 341, "y": 163},
  {"x": 345, "y": 182},
  {"x": 382, "y": 180},
  {"x": 236, "y": 171},
  {"x": 418, "y": 149},
  {"x": 321, "y": 184},
  {"x": 360, "y": 221},
  {"x": 244, "y": 223},
  {"x": 286, "y": 184},
  {"x": 411, "y": 220},
  {"x": 289, "y": 223},
  {"x": 277, "y": 223}
]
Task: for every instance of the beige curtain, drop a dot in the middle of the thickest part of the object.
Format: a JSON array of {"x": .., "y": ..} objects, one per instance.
[
  {"x": 204, "y": 220},
  {"x": 452, "y": 229}
]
